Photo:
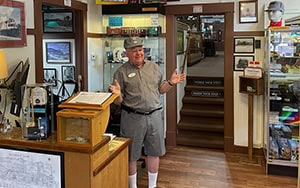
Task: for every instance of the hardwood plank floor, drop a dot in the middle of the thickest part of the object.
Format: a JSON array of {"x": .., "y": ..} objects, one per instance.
[{"x": 190, "y": 167}]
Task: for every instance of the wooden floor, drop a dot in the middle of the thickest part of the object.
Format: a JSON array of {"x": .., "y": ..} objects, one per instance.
[{"x": 188, "y": 167}]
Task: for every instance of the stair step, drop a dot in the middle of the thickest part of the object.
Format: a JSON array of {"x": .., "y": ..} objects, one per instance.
[
  {"x": 182, "y": 125},
  {"x": 204, "y": 120},
  {"x": 197, "y": 87},
  {"x": 202, "y": 113},
  {"x": 202, "y": 100},
  {"x": 200, "y": 139}
]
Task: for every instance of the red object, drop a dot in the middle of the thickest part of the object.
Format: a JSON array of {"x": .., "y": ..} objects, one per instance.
[{"x": 275, "y": 23}]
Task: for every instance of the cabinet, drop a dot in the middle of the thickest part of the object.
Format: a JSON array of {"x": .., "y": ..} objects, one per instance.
[
  {"x": 282, "y": 100},
  {"x": 115, "y": 56}
]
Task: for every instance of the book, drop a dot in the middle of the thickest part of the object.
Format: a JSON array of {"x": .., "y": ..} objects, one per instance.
[{"x": 90, "y": 98}]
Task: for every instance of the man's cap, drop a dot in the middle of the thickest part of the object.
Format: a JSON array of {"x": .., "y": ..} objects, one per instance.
[
  {"x": 133, "y": 42},
  {"x": 276, "y": 5}
]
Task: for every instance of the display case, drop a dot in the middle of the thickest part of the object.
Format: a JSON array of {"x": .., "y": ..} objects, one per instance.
[
  {"x": 282, "y": 100},
  {"x": 115, "y": 56}
]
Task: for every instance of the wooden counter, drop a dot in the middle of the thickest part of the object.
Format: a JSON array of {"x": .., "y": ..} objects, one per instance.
[{"x": 104, "y": 165}]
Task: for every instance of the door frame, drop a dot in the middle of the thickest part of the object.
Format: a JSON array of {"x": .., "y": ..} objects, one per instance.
[{"x": 172, "y": 11}]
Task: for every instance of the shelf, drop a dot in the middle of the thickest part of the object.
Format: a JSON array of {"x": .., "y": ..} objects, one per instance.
[{"x": 283, "y": 162}]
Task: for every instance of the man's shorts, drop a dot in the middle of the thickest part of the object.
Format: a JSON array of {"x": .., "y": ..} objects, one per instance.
[{"x": 145, "y": 131}]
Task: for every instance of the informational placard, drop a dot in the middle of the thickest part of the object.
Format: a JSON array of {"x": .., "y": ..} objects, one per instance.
[{"x": 34, "y": 169}]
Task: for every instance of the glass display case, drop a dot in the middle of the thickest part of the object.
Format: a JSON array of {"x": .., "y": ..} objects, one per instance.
[{"x": 282, "y": 100}]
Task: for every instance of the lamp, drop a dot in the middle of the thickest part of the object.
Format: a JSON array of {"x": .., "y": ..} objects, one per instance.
[{"x": 3, "y": 66}]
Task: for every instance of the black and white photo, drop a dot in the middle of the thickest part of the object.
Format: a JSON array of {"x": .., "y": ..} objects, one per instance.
[
  {"x": 241, "y": 61},
  {"x": 244, "y": 45},
  {"x": 50, "y": 76},
  {"x": 68, "y": 74}
]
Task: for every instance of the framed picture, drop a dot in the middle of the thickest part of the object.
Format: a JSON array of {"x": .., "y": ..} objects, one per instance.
[
  {"x": 111, "y": 2},
  {"x": 248, "y": 11},
  {"x": 241, "y": 61},
  {"x": 12, "y": 26},
  {"x": 58, "y": 52},
  {"x": 50, "y": 76},
  {"x": 68, "y": 74},
  {"x": 58, "y": 22},
  {"x": 180, "y": 42},
  {"x": 244, "y": 45},
  {"x": 31, "y": 161}
]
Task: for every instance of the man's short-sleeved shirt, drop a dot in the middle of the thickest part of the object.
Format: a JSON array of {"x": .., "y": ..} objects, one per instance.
[{"x": 140, "y": 86}]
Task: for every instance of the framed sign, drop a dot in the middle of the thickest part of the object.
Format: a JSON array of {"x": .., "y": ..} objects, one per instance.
[
  {"x": 58, "y": 52},
  {"x": 248, "y": 11},
  {"x": 12, "y": 26},
  {"x": 58, "y": 22},
  {"x": 46, "y": 168},
  {"x": 244, "y": 45}
]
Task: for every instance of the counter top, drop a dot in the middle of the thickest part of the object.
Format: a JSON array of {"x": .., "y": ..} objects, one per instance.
[{"x": 16, "y": 139}]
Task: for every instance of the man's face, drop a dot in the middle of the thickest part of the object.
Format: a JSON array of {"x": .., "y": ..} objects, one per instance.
[
  {"x": 136, "y": 55},
  {"x": 275, "y": 15}
]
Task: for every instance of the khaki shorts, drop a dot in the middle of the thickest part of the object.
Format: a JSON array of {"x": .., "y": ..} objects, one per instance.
[{"x": 145, "y": 131}]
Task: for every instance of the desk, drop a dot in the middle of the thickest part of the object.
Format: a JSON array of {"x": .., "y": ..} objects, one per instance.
[{"x": 104, "y": 165}]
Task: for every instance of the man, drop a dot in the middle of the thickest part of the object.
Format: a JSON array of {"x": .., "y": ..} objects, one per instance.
[
  {"x": 275, "y": 13},
  {"x": 140, "y": 84}
]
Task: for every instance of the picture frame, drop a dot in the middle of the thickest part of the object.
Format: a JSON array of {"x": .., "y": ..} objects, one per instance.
[
  {"x": 68, "y": 74},
  {"x": 248, "y": 12},
  {"x": 50, "y": 76},
  {"x": 241, "y": 62},
  {"x": 244, "y": 45},
  {"x": 58, "y": 22},
  {"x": 13, "y": 32},
  {"x": 180, "y": 42},
  {"x": 58, "y": 52}
]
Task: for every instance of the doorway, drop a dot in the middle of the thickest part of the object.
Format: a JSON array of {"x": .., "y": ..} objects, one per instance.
[{"x": 226, "y": 9}]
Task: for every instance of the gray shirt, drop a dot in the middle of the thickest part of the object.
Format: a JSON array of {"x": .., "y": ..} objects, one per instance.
[{"x": 140, "y": 86}]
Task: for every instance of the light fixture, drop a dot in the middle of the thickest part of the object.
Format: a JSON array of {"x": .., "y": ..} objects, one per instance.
[{"x": 3, "y": 66}]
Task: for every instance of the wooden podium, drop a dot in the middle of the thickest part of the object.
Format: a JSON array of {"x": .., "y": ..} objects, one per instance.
[{"x": 84, "y": 119}]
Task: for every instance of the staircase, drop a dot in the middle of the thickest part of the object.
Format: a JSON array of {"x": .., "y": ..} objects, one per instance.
[{"x": 202, "y": 114}]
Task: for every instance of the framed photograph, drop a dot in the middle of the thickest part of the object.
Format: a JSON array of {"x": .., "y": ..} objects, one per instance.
[
  {"x": 68, "y": 74},
  {"x": 248, "y": 11},
  {"x": 241, "y": 61},
  {"x": 12, "y": 26},
  {"x": 50, "y": 76},
  {"x": 180, "y": 42},
  {"x": 58, "y": 52},
  {"x": 244, "y": 45},
  {"x": 58, "y": 22}
]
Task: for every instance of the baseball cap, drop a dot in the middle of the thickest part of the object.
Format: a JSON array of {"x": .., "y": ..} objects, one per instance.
[
  {"x": 133, "y": 42},
  {"x": 276, "y": 5}
]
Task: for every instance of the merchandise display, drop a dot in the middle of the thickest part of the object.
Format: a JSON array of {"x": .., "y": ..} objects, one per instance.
[{"x": 282, "y": 104}]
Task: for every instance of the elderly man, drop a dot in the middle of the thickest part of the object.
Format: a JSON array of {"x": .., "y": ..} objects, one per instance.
[{"x": 140, "y": 84}]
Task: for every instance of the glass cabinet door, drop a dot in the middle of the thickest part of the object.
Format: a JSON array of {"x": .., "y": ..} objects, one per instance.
[{"x": 282, "y": 94}]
